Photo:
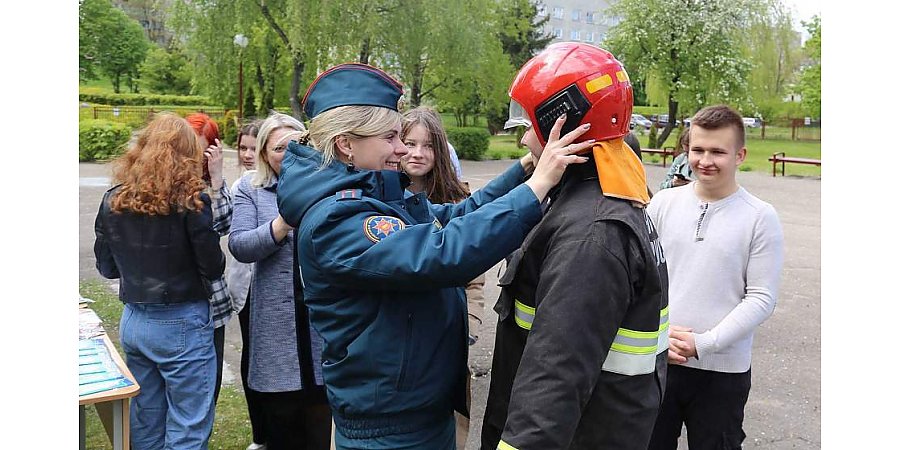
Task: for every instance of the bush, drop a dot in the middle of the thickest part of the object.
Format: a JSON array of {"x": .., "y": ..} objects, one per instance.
[
  {"x": 105, "y": 98},
  {"x": 101, "y": 139},
  {"x": 651, "y": 141},
  {"x": 470, "y": 142},
  {"x": 228, "y": 129}
]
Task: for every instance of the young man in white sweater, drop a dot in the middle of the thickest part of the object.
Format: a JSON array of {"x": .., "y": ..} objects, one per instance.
[{"x": 724, "y": 250}]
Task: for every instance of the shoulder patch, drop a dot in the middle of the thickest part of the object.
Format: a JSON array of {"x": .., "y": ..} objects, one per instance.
[
  {"x": 349, "y": 194},
  {"x": 380, "y": 227}
]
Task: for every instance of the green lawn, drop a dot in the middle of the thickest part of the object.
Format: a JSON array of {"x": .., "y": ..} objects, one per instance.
[
  {"x": 231, "y": 430},
  {"x": 758, "y": 152}
]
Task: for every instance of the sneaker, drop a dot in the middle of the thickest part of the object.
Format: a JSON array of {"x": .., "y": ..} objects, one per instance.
[{"x": 255, "y": 446}]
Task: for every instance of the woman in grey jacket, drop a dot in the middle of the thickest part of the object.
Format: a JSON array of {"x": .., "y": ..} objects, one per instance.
[{"x": 285, "y": 353}]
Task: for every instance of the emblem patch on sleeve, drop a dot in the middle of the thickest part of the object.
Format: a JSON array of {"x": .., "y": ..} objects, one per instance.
[{"x": 380, "y": 227}]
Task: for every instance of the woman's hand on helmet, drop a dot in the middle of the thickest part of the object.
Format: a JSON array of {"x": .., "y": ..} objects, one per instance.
[{"x": 556, "y": 156}]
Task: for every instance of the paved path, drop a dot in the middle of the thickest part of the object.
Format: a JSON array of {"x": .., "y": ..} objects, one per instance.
[{"x": 784, "y": 410}]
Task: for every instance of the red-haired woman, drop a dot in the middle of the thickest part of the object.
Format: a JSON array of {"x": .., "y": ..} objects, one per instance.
[
  {"x": 154, "y": 233},
  {"x": 222, "y": 207}
]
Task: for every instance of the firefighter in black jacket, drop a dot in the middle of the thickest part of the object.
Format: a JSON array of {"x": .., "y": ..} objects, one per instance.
[{"x": 582, "y": 335}]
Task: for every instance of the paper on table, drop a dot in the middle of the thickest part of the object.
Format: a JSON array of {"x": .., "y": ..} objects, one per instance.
[{"x": 97, "y": 372}]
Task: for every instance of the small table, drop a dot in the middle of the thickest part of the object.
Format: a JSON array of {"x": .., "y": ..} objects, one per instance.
[{"x": 112, "y": 405}]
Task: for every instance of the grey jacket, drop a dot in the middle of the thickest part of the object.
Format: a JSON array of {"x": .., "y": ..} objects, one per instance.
[{"x": 274, "y": 360}]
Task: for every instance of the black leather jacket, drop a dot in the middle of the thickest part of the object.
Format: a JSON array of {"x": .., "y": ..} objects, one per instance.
[{"x": 159, "y": 259}]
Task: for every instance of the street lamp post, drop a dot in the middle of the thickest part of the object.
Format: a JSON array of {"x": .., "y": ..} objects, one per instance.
[{"x": 241, "y": 41}]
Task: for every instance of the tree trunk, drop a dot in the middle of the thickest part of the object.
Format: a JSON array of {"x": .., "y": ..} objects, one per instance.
[
  {"x": 295, "y": 86},
  {"x": 415, "y": 93},
  {"x": 364, "y": 50},
  {"x": 673, "y": 110},
  {"x": 115, "y": 83},
  {"x": 297, "y": 62}
]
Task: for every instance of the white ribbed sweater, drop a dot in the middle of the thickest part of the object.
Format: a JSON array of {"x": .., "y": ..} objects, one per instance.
[{"x": 724, "y": 260}]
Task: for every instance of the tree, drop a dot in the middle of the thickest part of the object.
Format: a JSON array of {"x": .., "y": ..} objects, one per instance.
[
  {"x": 519, "y": 31},
  {"x": 811, "y": 77},
  {"x": 773, "y": 48},
  {"x": 688, "y": 49},
  {"x": 166, "y": 72},
  {"x": 110, "y": 43}
]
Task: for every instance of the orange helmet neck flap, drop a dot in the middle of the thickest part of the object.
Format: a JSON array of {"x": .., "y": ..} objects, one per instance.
[{"x": 580, "y": 80}]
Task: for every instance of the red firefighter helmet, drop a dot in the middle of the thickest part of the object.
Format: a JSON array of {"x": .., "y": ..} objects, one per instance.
[{"x": 583, "y": 81}]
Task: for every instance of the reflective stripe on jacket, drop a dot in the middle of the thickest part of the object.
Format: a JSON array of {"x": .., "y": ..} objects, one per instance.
[{"x": 577, "y": 360}]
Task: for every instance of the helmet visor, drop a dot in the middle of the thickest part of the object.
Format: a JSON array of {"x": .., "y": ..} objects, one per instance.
[{"x": 517, "y": 116}]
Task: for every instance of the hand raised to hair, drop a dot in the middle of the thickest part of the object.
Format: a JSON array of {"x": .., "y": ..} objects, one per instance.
[
  {"x": 216, "y": 159},
  {"x": 556, "y": 156}
]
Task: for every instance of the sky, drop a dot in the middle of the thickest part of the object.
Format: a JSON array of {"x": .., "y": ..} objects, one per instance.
[{"x": 803, "y": 10}]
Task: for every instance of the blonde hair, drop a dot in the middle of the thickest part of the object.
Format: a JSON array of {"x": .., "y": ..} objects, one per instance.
[
  {"x": 264, "y": 172},
  {"x": 352, "y": 121}
]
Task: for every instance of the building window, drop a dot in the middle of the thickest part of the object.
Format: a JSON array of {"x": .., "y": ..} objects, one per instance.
[
  {"x": 542, "y": 10},
  {"x": 589, "y": 36},
  {"x": 557, "y": 32},
  {"x": 600, "y": 37},
  {"x": 573, "y": 35},
  {"x": 576, "y": 15},
  {"x": 558, "y": 12}
]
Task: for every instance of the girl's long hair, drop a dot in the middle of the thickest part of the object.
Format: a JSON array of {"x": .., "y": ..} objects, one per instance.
[
  {"x": 441, "y": 183},
  {"x": 161, "y": 171}
]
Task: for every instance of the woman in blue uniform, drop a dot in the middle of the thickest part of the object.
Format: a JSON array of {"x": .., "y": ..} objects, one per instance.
[{"x": 382, "y": 268}]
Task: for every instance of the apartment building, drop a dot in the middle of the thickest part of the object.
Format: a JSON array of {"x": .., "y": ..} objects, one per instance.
[{"x": 576, "y": 20}]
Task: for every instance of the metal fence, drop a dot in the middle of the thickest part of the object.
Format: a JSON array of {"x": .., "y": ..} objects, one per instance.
[
  {"x": 142, "y": 114},
  {"x": 788, "y": 129}
]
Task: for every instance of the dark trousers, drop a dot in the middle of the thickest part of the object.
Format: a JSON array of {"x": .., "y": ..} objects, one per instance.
[
  {"x": 297, "y": 420},
  {"x": 710, "y": 404},
  {"x": 219, "y": 346},
  {"x": 254, "y": 406}
]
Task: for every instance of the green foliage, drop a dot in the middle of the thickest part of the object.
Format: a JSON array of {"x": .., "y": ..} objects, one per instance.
[
  {"x": 647, "y": 111},
  {"x": 470, "y": 142},
  {"x": 520, "y": 30},
  {"x": 228, "y": 128},
  {"x": 653, "y": 136},
  {"x": 811, "y": 77},
  {"x": 689, "y": 50},
  {"x": 773, "y": 48},
  {"x": 249, "y": 103},
  {"x": 166, "y": 72},
  {"x": 110, "y": 42},
  {"x": 101, "y": 139},
  {"x": 103, "y": 98}
]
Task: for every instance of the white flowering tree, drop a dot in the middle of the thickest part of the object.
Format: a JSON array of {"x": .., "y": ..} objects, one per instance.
[{"x": 690, "y": 51}]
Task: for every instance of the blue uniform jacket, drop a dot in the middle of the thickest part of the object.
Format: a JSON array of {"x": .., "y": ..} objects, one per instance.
[{"x": 382, "y": 270}]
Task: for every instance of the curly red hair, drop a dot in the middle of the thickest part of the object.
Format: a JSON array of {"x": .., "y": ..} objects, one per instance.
[
  {"x": 162, "y": 170},
  {"x": 204, "y": 126}
]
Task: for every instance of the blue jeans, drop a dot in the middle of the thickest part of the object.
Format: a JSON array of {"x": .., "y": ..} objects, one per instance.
[{"x": 169, "y": 350}]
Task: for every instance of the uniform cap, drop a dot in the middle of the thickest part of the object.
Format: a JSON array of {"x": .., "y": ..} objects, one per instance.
[{"x": 351, "y": 84}]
